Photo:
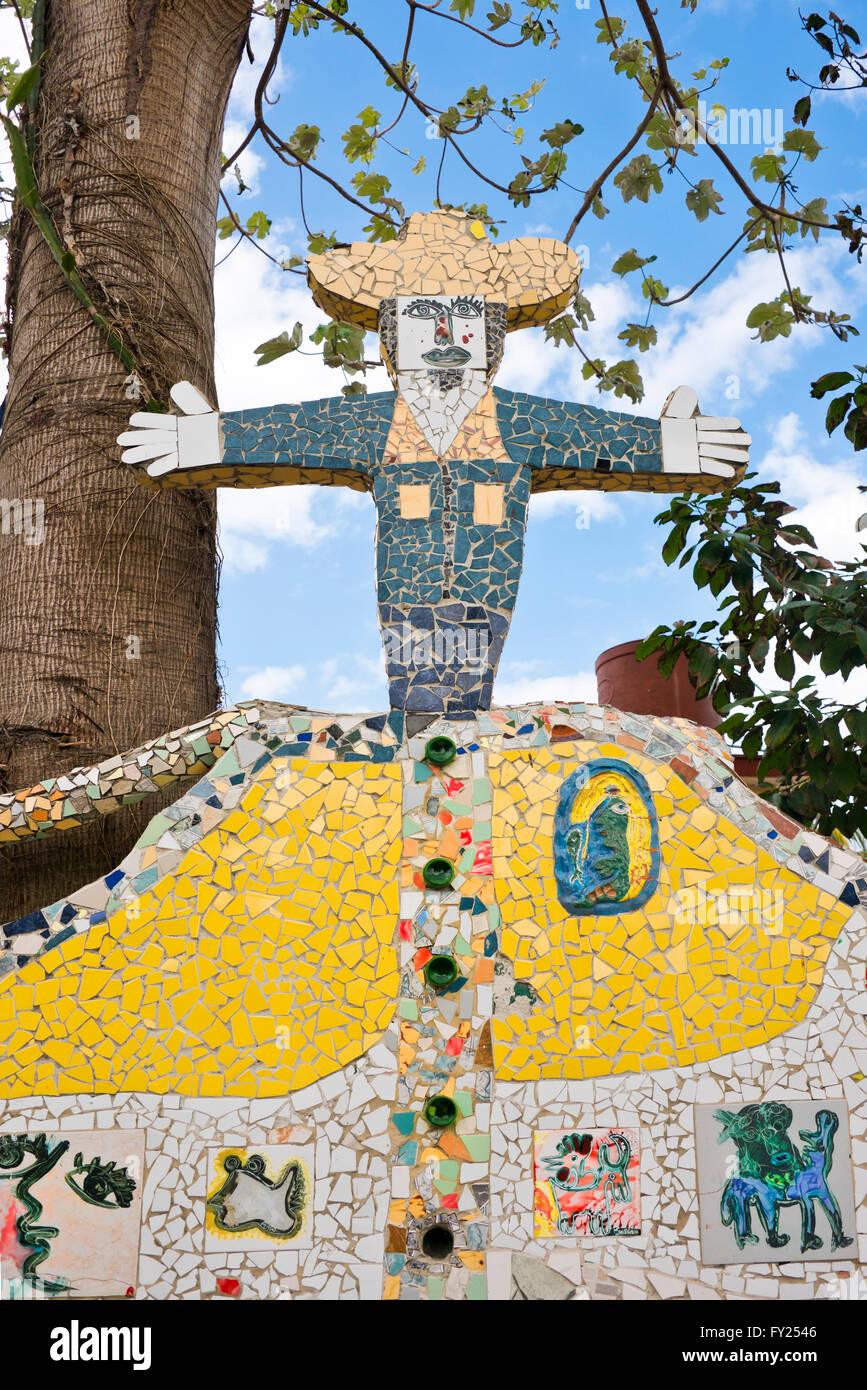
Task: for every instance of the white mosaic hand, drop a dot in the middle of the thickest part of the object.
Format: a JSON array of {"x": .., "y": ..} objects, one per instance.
[
  {"x": 176, "y": 442},
  {"x": 696, "y": 443}
]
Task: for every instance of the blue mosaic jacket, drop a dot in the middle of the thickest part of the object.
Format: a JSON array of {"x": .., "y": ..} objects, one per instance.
[{"x": 550, "y": 444}]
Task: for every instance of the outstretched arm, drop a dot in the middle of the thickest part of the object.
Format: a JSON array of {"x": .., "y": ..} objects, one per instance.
[
  {"x": 335, "y": 440},
  {"x": 568, "y": 445}
]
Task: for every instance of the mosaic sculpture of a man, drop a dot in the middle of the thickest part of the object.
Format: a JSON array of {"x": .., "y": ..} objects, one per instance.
[{"x": 451, "y": 460}]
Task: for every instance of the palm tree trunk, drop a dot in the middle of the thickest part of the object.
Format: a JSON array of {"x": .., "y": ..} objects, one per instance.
[{"x": 108, "y": 626}]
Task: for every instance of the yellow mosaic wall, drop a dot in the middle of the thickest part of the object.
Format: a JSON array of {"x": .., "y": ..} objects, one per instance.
[
  {"x": 261, "y": 964},
  {"x": 265, "y": 961},
  {"x": 650, "y": 988}
]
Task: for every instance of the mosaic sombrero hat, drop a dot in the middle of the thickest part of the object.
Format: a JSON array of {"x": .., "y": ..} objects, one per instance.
[{"x": 446, "y": 253}]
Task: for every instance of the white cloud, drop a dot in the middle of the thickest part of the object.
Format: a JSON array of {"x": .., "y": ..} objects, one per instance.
[
  {"x": 284, "y": 683},
  {"x": 354, "y": 681},
  {"x": 520, "y": 683},
  {"x": 251, "y": 519},
  {"x": 826, "y": 494},
  {"x": 254, "y": 302},
  {"x": 241, "y": 555},
  {"x": 587, "y": 506},
  {"x": 706, "y": 343},
  {"x": 651, "y": 568},
  {"x": 351, "y": 682},
  {"x": 850, "y": 96}
]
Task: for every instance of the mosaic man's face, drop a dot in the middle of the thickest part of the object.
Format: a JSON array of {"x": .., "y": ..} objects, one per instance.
[
  {"x": 440, "y": 331},
  {"x": 441, "y": 351}
]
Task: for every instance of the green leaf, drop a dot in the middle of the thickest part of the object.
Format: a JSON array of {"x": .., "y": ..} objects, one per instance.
[
  {"x": 836, "y": 412},
  {"x": 703, "y": 199},
  {"x": 667, "y": 664},
  {"x": 612, "y": 26},
  {"x": 802, "y": 142},
  {"x": 845, "y": 774},
  {"x": 372, "y": 186},
  {"x": 712, "y": 552},
  {"x": 831, "y": 381},
  {"x": 855, "y": 429},
  {"x": 342, "y": 344},
  {"x": 831, "y": 658},
  {"x": 856, "y": 719},
  {"x": 772, "y": 320},
  {"x": 640, "y": 335},
  {"x": 653, "y": 289},
  {"x": 499, "y": 15},
  {"x": 402, "y": 76},
  {"x": 259, "y": 225},
  {"x": 278, "y": 347},
  {"x": 304, "y": 142},
  {"x": 815, "y": 210},
  {"x": 768, "y": 166},
  {"x": 321, "y": 241},
  {"x": 359, "y": 143},
  {"x": 784, "y": 664},
  {"x": 21, "y": 88},
  {"x": 802, "y": 110},
  {"x": 227, "y": 226},
  {"x": 630, "y": 260},
  {"x": 561, "y": 330},
  {"x": 639, "y": 179},
  {"x": 583, "y": 311},
  {"x": 561, "y": 133},
  {"x": 781, "y": 727},
  {"x": 598, "y": 208},
  {"x": 674, "y": 545},
  {"x": 626, "y": 380}
]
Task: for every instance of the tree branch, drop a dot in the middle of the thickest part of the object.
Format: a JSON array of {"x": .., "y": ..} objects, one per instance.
[
  {"x": 671, "y": 88},
  {"x": 455, "y": 19},
  {"x": 618, "y": 158}
]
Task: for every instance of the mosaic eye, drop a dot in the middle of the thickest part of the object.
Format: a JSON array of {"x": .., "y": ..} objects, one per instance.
[
  {"x": 101, "y": 1184},
  {"x": 467, "y": 308},
  {"x": 11, "y": 1150},
  {"x": 424, "y": 309}
]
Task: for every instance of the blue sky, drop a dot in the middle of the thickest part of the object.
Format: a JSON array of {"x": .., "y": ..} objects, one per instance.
[{"x": 297, "y": 616}]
